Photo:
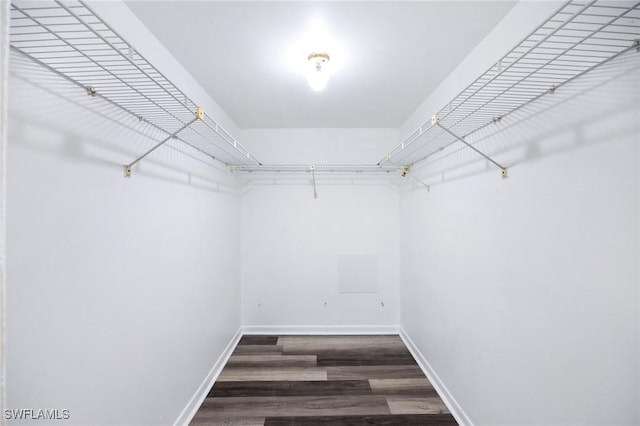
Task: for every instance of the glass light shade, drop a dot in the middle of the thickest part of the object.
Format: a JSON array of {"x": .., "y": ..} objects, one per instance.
[{"x": 318, "y": 73}]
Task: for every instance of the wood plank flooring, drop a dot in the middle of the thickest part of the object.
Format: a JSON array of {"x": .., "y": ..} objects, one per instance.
[{"x": 322, "y": 380}]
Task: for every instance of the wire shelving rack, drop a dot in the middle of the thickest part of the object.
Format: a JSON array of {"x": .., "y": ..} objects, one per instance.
[
  {"x": 579, "y": 37},
  {"x": 69, "y": 39}
]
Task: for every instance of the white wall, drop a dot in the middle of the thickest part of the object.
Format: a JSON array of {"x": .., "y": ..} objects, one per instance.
[
  {"x": 291, "y": 241},
  {"x": 122, "y": 293},
  {"x": 4, "y": 72},
  {"x": 523, "y": 293},
  {"x": 320, "y": 146}
]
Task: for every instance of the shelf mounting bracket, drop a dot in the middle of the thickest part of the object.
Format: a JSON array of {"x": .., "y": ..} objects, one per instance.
[
  {"x": 313, "y": 175},
  {"x": 406, "y": 171},
  {"x": 199, "y": 115},
  {"x": 503, "y": 169}
]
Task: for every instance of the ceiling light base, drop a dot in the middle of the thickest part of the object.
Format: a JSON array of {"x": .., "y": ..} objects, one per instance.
[
  {"x": 318, "y": 58},
  {"x": 318, "y": 71}
]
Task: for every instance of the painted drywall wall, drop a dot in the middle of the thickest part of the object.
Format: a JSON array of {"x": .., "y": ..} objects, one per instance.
[
  {"x": 291, "y": 241},
  {"x": 523, "y": 293},
  {"x": 122, "y": 293},
  {"x": 320, "y": 146},
  {"x": 4, "y": 72}
]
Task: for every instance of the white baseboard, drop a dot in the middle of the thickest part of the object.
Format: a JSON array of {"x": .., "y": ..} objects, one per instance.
[
  {"x": 446, "y": 396},
  {"x": 196, "y": 400},
  {"x": 320, "y": 329}
]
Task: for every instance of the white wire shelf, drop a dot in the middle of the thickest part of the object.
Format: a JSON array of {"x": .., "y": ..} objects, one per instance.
[
  {"x": 578, "y": 38},
  {"x": 321, "y": 168},
  {"x": 70, "y": 40}
]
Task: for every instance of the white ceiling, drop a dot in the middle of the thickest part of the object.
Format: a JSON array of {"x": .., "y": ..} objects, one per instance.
[{"x": 386, "y": 57}]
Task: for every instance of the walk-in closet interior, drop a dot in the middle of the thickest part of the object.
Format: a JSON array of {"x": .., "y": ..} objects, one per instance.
[{"x": 447, "y": 191}]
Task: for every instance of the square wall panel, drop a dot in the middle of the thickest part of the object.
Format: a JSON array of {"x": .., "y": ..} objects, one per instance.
[{"x": 358, "y": 272}]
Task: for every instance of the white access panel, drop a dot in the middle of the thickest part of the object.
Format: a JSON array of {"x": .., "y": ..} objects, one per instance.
[{"x": 358, "y": 272}]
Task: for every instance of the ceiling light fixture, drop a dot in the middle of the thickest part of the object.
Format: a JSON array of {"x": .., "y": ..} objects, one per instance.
[{"x": 318, "y": 71}]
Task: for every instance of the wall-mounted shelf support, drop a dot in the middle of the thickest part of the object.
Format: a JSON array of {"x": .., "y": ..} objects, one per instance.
[
  {"x": 313, "y": 176},
  {"x": 578, "y": 38},
  {"x": 505, "y": 173},
  {"x": 406, "y": 171},
  {"x": 69, "y": 39},
  {"x": 199, "y": 115}
]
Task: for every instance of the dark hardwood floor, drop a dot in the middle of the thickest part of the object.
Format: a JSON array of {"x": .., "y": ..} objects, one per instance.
[{"x": 322, "y": 380}]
